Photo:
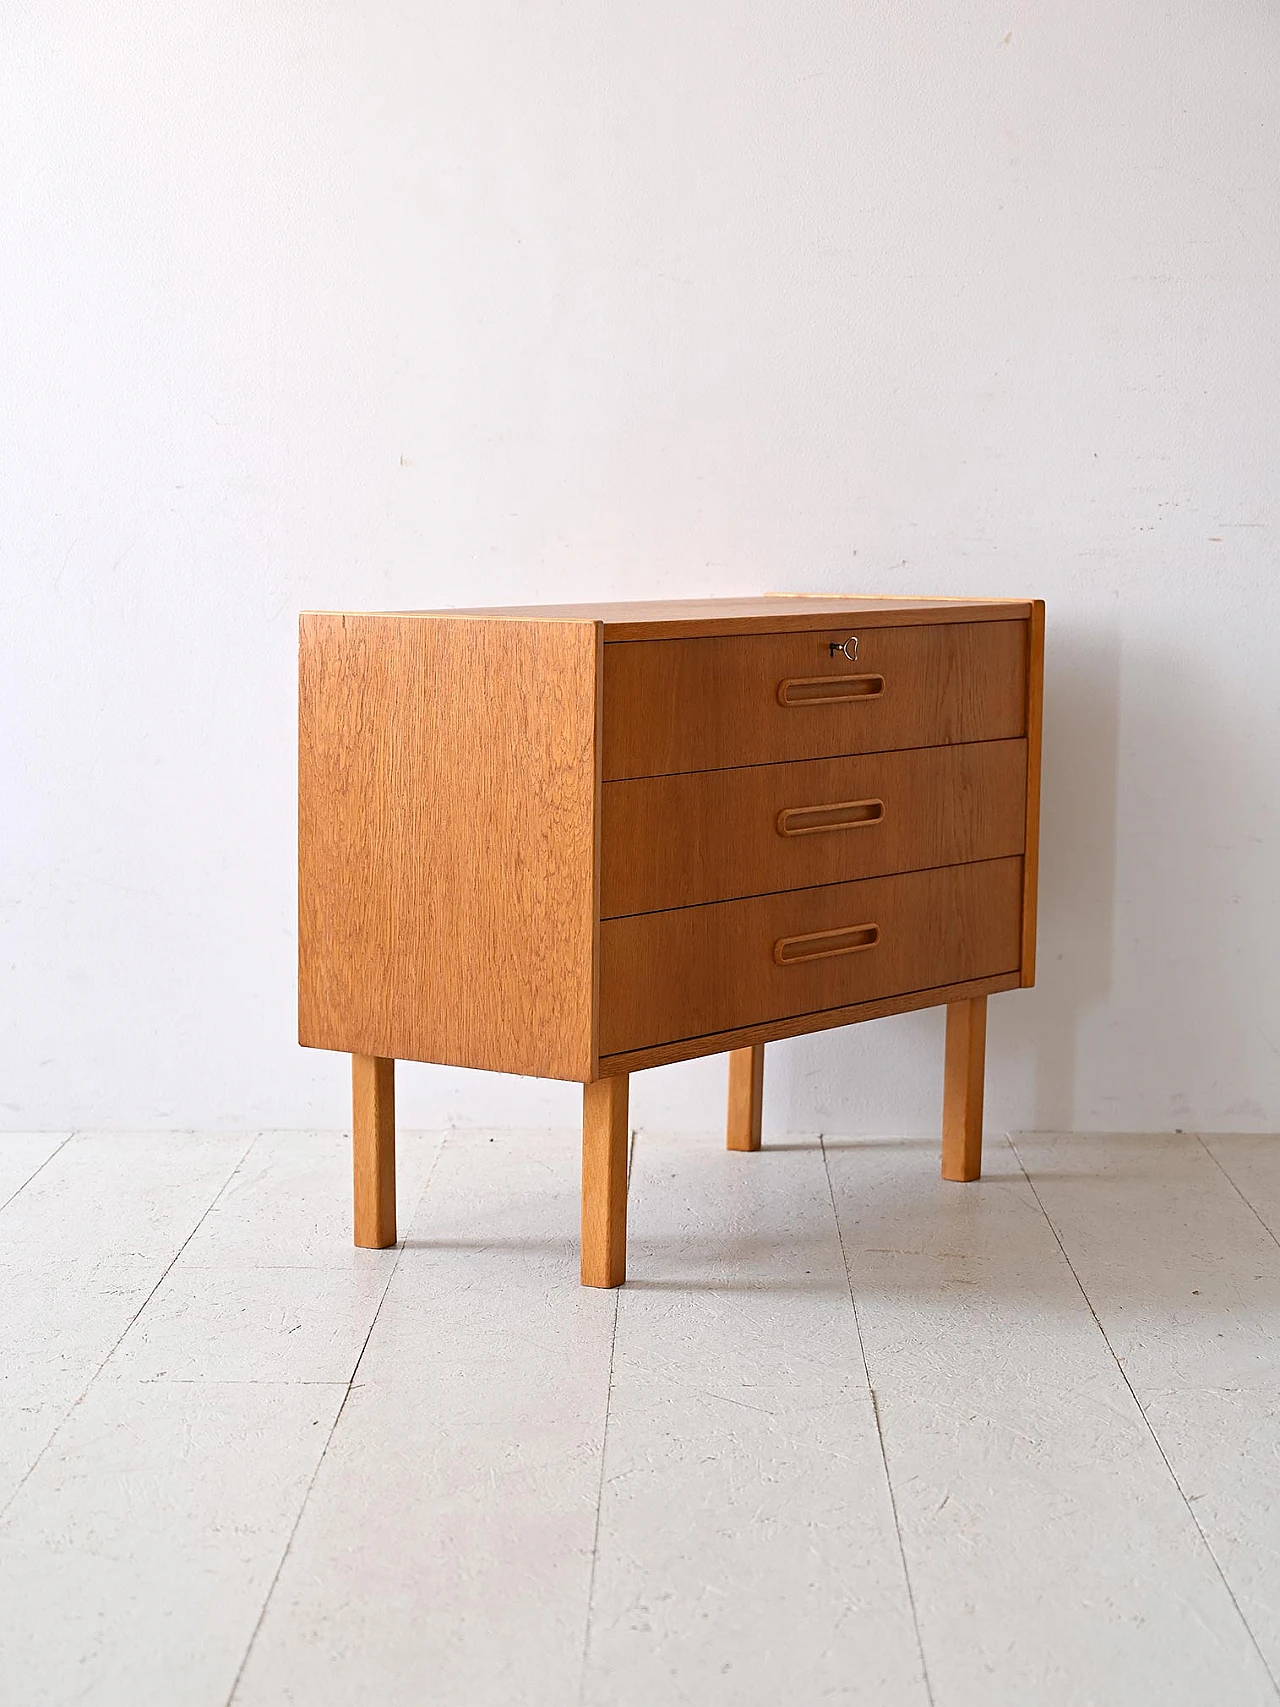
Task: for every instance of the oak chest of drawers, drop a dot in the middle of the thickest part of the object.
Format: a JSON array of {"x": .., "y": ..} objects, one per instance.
[{"x": 571, "y": 842}]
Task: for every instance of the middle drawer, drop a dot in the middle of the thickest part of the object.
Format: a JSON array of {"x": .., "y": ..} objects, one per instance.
[{"x": 678, "y": 841}]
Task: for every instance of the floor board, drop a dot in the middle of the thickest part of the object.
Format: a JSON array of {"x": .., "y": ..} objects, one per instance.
[
  {"x": 83, "y": 1245},
  {"x": 445, "y": 1551},
  {"x": 747, "y": 1550},
  {"x": 288, "y": 1205},
  {"x": 848, "y": 1434},
  {"x": 22, "y": 1155},
  {"x": 1185, "y": 1280},
  {"x": 1051, "y": 1555},
  {"x": 135, "y": 1561}
]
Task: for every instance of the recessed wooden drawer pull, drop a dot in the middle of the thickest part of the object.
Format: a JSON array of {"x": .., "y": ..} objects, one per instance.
[
  {"x": 840, "y": 815},
  {"x": 828, "y": 690},
  {"x": 821, "y": 945}
]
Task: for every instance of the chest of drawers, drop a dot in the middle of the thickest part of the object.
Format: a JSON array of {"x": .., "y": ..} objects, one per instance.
[{"x": 573, "y": 842}]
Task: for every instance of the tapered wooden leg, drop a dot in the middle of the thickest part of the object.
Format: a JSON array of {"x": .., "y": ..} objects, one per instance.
[
  {"x": 373, "y": 1136},
  {"x": 604, "y": 1182},
  {"x": 746, "y": 1094},
  {"x": 962, "y": 1089}
]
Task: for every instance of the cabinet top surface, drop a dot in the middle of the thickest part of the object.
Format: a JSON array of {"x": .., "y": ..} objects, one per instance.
[{"x": 657, "y": 619}]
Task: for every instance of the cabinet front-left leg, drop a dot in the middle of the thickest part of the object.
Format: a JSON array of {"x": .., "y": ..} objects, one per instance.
[
  {"x": 746, "y": 1095},
  {"x": 604, "y": 1182},
  {"x": 373, "y": 1143},
  {"x": 962, "y": 1089}
]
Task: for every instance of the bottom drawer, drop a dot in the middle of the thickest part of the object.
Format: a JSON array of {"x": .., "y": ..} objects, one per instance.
[{"x": 694, "y": 971}]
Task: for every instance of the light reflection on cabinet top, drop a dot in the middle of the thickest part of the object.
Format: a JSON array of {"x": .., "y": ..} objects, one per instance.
[{"x": 772, "y": 613}]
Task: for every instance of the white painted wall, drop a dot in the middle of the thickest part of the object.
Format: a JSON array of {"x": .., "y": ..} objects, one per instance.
[{"x": 395, "y": 304}]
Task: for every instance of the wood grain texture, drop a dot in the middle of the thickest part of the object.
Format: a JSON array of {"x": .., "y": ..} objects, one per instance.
[
  {"x": 373, "y": 1150},
  {"x": 679, "y": 841},
  {"x": 691, "y": 705},
  {"x": 770, "y": 613},
  {"x": 695, "y": 971},
  {"x": 604, "y": 1182},
  {"x": 963, "y": 1083},
  {"x": 1035, "y": 727},
  {"x": 746, "y": 1098},
  {"x": 798, "y": 1025},
  {"x": 446, "y": 828}
]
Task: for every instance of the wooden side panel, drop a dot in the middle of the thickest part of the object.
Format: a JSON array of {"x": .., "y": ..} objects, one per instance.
[
  {"x": 677, "y": 841},
  {"x": 689, "y": 705},
  {"x": 698, "y": 970},
  {"x": 446, "y": 836},
  {"x": 1035, "y": 727}
]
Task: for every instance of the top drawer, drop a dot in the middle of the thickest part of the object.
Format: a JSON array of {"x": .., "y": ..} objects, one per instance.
[{"x": 688, "y": 705}]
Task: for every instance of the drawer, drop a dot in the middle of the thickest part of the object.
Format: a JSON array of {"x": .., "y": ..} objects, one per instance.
[
  {"x": 695, "y": 971},
  {"x": 697, "y": 836},
  {"x": 688, "y": 705}
]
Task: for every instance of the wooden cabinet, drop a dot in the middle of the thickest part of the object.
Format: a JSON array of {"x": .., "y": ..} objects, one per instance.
[{"x": 572, "y": 842}]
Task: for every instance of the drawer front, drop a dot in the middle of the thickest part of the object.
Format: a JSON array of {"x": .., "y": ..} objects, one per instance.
[
  {"x": 695, "y": 971},
  {"x": 678, "y": 841},
  {"x": 688, "y": 705}
]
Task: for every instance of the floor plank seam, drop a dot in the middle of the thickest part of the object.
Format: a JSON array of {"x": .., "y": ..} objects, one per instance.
[
  {"x": 875, "y": 1411},
  {"x": 1159, "y": 1445},
  {"x": 1231, "y": 1182},
  {"x": 604, "y": 1445},
  {"x": 328, "y": 1439},
  {"x": 128, "y": 1327},
  {"x": 19, "y": 1189}
]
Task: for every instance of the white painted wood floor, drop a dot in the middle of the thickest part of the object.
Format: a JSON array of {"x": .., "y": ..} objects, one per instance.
[{"x": 848, "y": 1435}]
